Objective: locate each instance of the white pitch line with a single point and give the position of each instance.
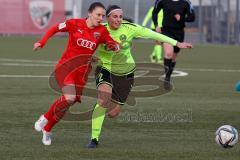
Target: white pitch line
(44, 63)
(208, 70)
(26, 64)
(26, 60)
(23, 76)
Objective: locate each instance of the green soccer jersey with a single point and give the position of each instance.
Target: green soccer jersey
(122, 63)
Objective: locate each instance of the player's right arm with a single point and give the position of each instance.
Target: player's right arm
(62, 27)
(157, 7)
(142, 32)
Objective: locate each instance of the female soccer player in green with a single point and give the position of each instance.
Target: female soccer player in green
(115, 73)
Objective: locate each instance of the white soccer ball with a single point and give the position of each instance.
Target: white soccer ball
(226, 136)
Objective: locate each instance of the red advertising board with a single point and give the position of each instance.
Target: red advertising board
(30, 16)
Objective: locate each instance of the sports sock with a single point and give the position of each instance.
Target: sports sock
(56, 112)
(173, 66)
(158, 51)
(98, 116)
(168, 68)
(50, 124)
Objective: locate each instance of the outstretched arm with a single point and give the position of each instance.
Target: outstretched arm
(43, 41)
(146, 33)
(62, 27)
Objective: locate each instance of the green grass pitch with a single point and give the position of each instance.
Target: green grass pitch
(182, 125)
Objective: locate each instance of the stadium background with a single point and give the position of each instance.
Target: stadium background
(178, 125)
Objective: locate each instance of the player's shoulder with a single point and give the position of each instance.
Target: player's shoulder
(101, 28)
(187, 2)
(129, 24)
(130, 28)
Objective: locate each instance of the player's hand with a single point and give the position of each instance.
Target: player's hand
(184, 45)
(177, 17)
(113, 46)
(158, 29)
(36, 46)
(95, 59)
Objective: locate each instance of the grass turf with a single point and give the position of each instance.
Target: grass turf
(181, 124)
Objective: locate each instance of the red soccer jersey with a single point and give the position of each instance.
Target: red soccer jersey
(82, 40)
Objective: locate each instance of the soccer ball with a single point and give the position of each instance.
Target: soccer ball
(237, 86)
(226, 136)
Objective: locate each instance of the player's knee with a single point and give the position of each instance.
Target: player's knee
(114, 112)
(168, 54)
(71, 99)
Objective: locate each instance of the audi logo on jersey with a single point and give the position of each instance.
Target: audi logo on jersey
(86, 44)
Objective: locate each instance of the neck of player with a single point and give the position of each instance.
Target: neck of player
(89, 23)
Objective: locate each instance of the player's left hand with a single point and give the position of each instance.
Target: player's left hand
(184, 45)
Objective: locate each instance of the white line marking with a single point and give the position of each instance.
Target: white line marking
(208, 70)
(179, 74)
(44, 63)
(26, 65)
(26, 60)
(23, 76)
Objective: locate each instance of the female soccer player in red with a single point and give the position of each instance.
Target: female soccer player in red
(84, 37)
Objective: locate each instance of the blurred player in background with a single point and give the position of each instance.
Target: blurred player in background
(115, 73)
(84, 37)
(175, 14)
(156, 56)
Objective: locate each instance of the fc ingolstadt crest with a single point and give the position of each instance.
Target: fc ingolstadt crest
(41, 12)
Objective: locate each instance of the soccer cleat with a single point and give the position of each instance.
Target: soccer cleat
(40, 123)
(46, 139)
(93, 143)
(167, 84)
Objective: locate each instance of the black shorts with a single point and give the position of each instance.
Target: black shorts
(175, 34)
(121, 85)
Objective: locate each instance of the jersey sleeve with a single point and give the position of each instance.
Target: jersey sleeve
(108, 40)
(190, 16)
(61, 27)
(157, 7)
(142, 32)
